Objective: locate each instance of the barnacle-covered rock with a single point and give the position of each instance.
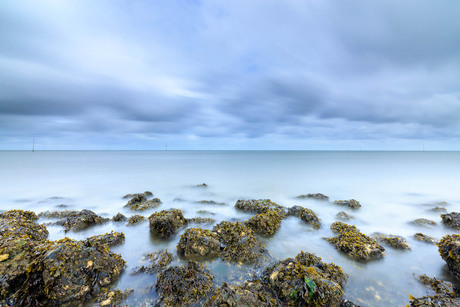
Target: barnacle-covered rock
(252, 294)
(186, 285)
(119, 217)
(165, 223)
(306, 215)
(197, 242)
(451, 220)
(141, 202)
(113, 297)
(354, 243)
(344, 216)
(158, 261)
(394, 241)
(423, 222)
(240, 244)
(135, 219)
(266, 223)
(351, 203)
(109, 239)
(81, 220)
(449, 248)
(424, 238)
(260, 206)
(146, 194)
(317, 196)
(201, 220)
(445, 293)
(57, 214)
(305, 281)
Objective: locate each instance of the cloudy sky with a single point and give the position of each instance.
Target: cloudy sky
(214, 74)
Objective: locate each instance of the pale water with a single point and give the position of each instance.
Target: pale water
(394, 188)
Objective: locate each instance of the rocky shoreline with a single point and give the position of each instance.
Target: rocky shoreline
(35, 271)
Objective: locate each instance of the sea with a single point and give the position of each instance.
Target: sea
(394, 188)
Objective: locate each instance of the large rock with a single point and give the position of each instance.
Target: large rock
(266, 223)
(82, 220)
(449, 248)
(306, 215)
(260, 206)
(201, 243)
(165, 223)
(451, 220)
(351, 203)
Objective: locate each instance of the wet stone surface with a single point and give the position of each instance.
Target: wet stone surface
(141, 202)
(451, 220)
(266, 223)
(306, 215)
(344, 216)
(260, 206)
(449, 249)
(445, 293)
(394, 241)
(423, 222)
(82, 220)
(317, 196)
(351, 203)
(424, 238)
(165, 223)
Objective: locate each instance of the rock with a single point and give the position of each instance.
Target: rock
(347, 303)
(266, 223)
(423, 222)
(119, 217)
(354, 243)
(306, 215)
(201, 220)
(317, 196)
(166, 222)
(146, 194)
(438, 209)
(451, 220)
(253, 293)
(449, 248)
(445, 293)
(57, 214)
(211, 202)
(305, 281)
(205, 212)
(344, 216)
(424, 238)
(352, 203)
(135, 219)
(260, 206)
(140, 202)
(81, 220)
(394, 241)
(109, 239)
(201, 243)
(158, 261)
(203, 185)
(113, 297)
(184, 285)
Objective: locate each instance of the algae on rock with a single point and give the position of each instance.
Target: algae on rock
(165, 223)
(266, 223)
(306, 215)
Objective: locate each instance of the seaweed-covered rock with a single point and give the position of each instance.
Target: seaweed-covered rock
(19, 215)
(197, 242)
(57, 214)
(210, 202)
(317, 196)
(158, 261)
(449, 248)
(445, 293)
(260, 206)
(135, 219)
(306, 215)
(423, 222)
(165, 223)
(205, 212)
(146, 195)
(113, 297)
(266, 223)
(252, 294)
(184, 285)
(451, 220)
(344, 216)
(424, 238)
(351, 203)
(240, 244)
(438, 209)
(119, 217)
(141, 202)
(305, 281)
(394, 241)
(81, 220)
(109, 239)
(201, 220)
(354, 243)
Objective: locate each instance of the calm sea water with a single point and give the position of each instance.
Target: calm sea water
(394, 188)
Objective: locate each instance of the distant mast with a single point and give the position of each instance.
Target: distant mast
(33, 145)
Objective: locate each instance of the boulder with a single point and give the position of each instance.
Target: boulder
(56, 214)
(260, 206)
(165, 223)
(141, 202)
(445, 294)
(201, 243)
(266, 223)
(135, 219)
(119, 217)
(394, 241)
(451, 220)
(449, 248)
(146, 195)
(201, 220)
(306, 215)
(423, 222)
(82, 220)
(109, 239)
(344, 216)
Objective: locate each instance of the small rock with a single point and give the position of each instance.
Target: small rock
(424, 238)
(317, 196)
(352, 203)
(451, 220)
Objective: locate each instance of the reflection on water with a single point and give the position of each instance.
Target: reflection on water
(394, 188)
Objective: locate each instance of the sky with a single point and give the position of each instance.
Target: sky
(230, 75)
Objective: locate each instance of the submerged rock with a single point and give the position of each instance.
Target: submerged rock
(81, 220)
(205, 212)
(306, 215)
(352, 203)
(197, 242)
(445, 294)
(113, 297)
(344, 216)
(146, 195)
(354, 243)
(109, 239)
(203, 185)
(135, 219)
(451, 220)
(210, 202)
(317, 196)
(57, 214)
(266, 223)
(158, 261)
(260, 206)
(141, 202)
(186, 285)
(201, 220)
(449, 248)
(424, 238)
(166, 222)
(253, 293)
(394, 241)
(438, 209)
(423, 222)
(119, 217)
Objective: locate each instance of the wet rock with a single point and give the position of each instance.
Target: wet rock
(201, 243)
(305, 281)
(201, 220)
(394, 241)
(57, 214)
(423, 222)
(354, 243)
(306, 215)
(81, 220)
(438, 209)
(347, 303)
(211, 202)
(205, 212)
(352, 203)
(260, 206)
(344, 216)
(317, 196)
(141, 202)
(19, 215)
(266, 223)
(135, 219)
(146, 195)
(119, 217)
(109, 239)
(252, 293)
(449, 248)
(113, 297)
(184, 285)
(240, 244)
(424, 238)
(451, 220)
(166, 222)
(158, 261)
(445, 293)
(62, 206)
(203, 185)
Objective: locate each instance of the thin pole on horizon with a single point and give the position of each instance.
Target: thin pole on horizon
(33, 145)
(166, 147)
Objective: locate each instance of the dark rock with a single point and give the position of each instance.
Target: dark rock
(260, 206)
(347, 303)
(354, 243)
(394, 241)
(166, 222)
(449, 248)
(146, 195)
(109, 239)
(203, 185)
(140, 202)
(306, 215)
(352, 203)
(57, 214)
(252, 294)
(266, 223)
(81, 220)
(317, 196)
(424, 238)
(119, 217)
(201, 220)
(201, 243)
(445, 293)
(438, 209)
(158, 261)
(344, 216)
(451, 220)
(423, 222)
(184, 285)
(135, 219)
(113, 297)
(211, 202)
(205, 212)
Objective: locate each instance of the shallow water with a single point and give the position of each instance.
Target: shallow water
(394, 188)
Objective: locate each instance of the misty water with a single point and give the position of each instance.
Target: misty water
(394, 188)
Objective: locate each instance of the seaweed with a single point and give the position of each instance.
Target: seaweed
(197, 242)
(394, 241)
(317, 196)
(449, 249)
(344, 216)
(351, 203)
(158, 261)
(424, 238)
(260, 206)
(135, 219)
(165, 223)
(451, 220)
(266, 223)
(81, 220)
(306, 215)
